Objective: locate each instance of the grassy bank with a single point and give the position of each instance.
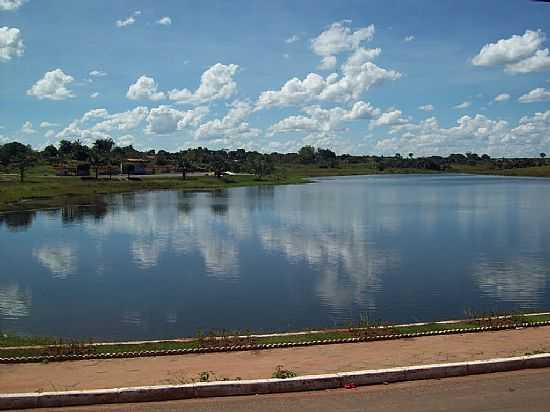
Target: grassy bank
(41, 191)
(50, 191)
(538, 171)
(51, 346)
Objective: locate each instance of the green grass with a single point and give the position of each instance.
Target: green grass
(24, 342)
(15, 340)
(344, 170)
(40, 191)
(536, 171)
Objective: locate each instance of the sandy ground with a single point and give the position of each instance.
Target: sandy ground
(112, 373)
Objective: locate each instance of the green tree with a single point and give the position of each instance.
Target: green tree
(307, 154)
(50, 152)
(11, 152)
(219, 166)
(104, 148)
(65, 148)
(262, 167)
(23, 162)
(183, 164)
(95, 159)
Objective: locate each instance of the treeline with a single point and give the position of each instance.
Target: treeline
(104, 152)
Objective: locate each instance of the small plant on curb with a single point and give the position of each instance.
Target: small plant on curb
(281, 373)
(205, 376)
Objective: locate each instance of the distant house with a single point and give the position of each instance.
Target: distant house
(147, 166)
(133, 166)
(73, 169)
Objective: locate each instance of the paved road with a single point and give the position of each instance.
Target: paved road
(505, 392)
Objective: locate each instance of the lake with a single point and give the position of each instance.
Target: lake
(164, 264)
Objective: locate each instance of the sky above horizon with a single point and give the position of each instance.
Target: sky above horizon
(359, 77)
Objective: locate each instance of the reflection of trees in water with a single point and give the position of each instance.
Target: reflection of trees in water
(17, 222)
(258, 197)
(219, 202)
(186, 202)
(78, 213)
(128, 201)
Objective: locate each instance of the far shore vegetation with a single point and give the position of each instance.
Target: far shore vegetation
(75, 173)
(16, 345)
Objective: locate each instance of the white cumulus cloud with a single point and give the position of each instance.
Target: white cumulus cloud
(216, 83)
(11, 43)
(338, 38)
(358, 75)
(46, 125)
(232, 125)
(164, 21)
(129, 20)
(390, 118)
(165, 119)
(292, 39)
(502, 97)
(537, 95)
(463, 105)
(97, 73)
(539, 62)
(519, 54)
(409, 39)
(11, 5)
(126, 22)
(324, 121)
(27, 128)
(123, 121)
(427, 108)
(145, 88)
(509, 50)
(53, 86)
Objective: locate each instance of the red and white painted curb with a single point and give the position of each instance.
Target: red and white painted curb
(266, 386)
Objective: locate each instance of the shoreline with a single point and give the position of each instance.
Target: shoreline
(54, 192)
(51, 192)
(15, 349)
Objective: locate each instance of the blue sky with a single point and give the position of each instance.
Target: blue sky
(375, 77)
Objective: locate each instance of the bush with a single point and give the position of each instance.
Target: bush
(281, 373)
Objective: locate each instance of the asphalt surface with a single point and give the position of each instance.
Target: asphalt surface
(514, 391)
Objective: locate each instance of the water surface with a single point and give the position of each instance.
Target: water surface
(168, 263)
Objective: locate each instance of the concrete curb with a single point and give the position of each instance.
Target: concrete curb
(260, 346)
(265, 386)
